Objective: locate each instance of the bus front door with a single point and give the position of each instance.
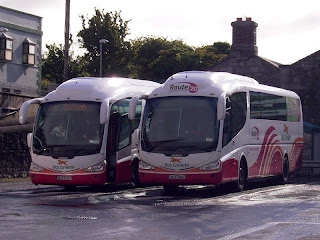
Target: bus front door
(119, 149)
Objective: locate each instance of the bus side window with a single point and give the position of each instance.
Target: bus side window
(236, 112)
(125, 132)
(227, 124)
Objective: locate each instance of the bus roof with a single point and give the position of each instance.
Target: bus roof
(198, 83)
(98, 89)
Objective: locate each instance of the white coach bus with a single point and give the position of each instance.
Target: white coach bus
(82, 134)
(214, 128)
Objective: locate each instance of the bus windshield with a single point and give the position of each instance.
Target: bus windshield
(180, 125)
(68, 129)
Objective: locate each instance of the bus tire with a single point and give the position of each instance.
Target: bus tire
(135, 173)
(284, 177)
(170, 188)
(240, 184)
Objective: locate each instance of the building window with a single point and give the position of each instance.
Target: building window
(6, 90)
(5, 47)
(29, 52)
(17, 91)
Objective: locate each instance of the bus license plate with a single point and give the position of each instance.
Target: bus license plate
(177, 177)
(64, 178)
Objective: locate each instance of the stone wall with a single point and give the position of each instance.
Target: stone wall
(262, 70)
(14, 154)
(304, 79)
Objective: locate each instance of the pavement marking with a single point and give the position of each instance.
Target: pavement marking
(261, 227)
(248, 231)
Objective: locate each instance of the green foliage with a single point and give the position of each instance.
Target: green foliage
(116, 52)
(157, 58)
(53, 65)
(221, 48)
(209, 55)
(45, 84)
(176, 58)
(153, 58)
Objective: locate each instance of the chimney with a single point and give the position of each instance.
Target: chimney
(244, 38)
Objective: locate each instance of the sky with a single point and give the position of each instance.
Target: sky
(288, 30)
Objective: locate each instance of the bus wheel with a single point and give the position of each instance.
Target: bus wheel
(170, 189)
(242, 178)
(284, 177)
(135, 173)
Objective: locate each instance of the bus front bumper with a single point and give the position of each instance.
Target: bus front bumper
(228, 172)
(69, 179)
(181, 178)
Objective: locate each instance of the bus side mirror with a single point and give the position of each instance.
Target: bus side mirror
(221, 107)
(104, 111)
(135, 138)
(133, 106)
(29, 140)
(24, 109)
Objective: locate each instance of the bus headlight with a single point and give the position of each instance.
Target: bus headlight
(95, 168)
(35, 167)
(146, 166)
(211, 166)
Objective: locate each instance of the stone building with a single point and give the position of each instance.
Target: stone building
(20, 75)
(20, 56)
(302, 77)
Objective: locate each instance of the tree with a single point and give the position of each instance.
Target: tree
(117, 51)
(157, 58)
(53, 64)
(221, 48)
(209, 55)
(176, 58)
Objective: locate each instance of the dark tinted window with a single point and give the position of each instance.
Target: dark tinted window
(181, 124)
(236, 113)
(273, 107)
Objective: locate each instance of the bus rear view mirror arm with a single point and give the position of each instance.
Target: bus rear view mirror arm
(24, 109)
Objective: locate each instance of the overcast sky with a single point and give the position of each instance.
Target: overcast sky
(288, 30)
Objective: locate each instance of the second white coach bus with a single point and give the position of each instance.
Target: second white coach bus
(214, 128)
(82, 134)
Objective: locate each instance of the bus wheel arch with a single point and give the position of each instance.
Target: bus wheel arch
(135, 172)
(241, 183)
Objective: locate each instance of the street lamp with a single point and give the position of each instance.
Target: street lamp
(101, 41)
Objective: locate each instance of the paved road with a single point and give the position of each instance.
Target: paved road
(263, 211)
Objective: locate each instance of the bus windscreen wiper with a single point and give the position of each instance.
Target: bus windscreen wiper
(158, 143)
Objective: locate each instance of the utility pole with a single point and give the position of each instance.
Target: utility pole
(66, 42)
(101, 41)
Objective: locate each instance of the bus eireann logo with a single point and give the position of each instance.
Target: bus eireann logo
(62, 162)
(176, 160)
(285, 128)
